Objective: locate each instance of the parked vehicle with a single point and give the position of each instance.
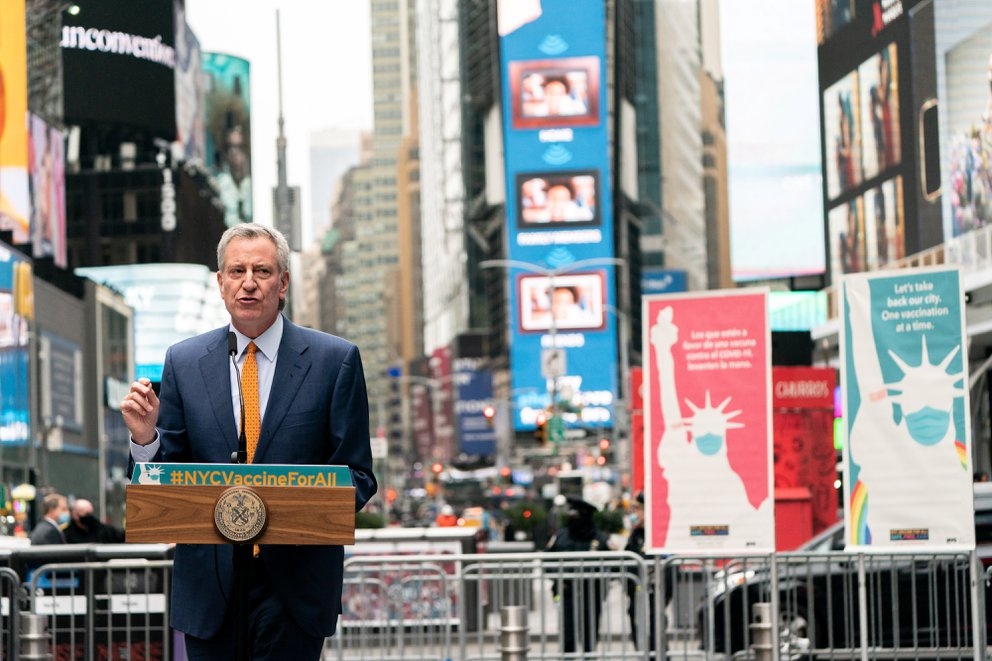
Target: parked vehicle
(913, 601)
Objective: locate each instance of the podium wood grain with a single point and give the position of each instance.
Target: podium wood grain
(165, 514)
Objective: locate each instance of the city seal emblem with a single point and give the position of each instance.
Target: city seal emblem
(239, 515)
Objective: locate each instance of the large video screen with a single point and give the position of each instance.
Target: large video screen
(560, 260)
(118, 64)
(968, 112)
(878, 77)
(228, 132)
(567, 302)
(557, 197)
(549, 93)
(16, 311)
(841, 116)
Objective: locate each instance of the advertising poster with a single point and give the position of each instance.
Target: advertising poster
(190, 92)
(966, 107)
(15, 207)
(16, 309)
(47, 164)
(474, 391)
(560, 260)
(907, 472)
(708, 432)
(228, 133)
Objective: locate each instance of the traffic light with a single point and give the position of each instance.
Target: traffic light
(489, 412)
(604, 452)
(541, 429)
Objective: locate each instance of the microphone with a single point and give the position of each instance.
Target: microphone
(241, 456)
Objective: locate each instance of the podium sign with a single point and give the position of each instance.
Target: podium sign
(241, 503)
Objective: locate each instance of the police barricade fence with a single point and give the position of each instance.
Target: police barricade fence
(87, 603)
(796, 605)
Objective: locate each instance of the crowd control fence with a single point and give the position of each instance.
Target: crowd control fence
(112, 603)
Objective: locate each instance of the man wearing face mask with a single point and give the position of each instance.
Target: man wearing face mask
(85, 528)
(55, 509)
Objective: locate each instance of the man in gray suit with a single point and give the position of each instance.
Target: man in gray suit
(56, 514)
(314, 410)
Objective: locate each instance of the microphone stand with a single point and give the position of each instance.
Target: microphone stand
(242, 558)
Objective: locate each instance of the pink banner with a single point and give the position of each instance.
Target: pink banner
(708, 427)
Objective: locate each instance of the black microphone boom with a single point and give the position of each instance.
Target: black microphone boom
(241, 456)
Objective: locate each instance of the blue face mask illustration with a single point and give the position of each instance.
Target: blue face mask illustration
(928, 425)
(708, 444)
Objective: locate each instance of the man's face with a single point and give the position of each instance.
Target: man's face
(63, 508)
(251, 284)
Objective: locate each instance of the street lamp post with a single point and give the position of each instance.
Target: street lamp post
(551, 274)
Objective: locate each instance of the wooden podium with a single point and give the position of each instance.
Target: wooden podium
(177, 503)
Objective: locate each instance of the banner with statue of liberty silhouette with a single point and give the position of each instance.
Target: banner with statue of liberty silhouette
(708, 433)
(904, 375)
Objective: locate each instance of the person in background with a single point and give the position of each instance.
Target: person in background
(581, 598)
(85, 528)
(55, 510)
(447, 518)
(636, 542)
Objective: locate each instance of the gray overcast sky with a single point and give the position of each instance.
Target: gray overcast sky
(326, 76)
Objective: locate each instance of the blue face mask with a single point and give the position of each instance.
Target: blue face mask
(708, 444)
(63, 518)
(928, 425)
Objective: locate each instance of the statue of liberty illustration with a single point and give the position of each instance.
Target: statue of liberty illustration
(150, 474)
(902, 435)
(703, 490)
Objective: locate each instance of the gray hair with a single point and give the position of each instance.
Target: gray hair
(255, 231)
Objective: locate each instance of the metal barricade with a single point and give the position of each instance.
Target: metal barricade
(824, 605)
(116, 609)
(11, 595)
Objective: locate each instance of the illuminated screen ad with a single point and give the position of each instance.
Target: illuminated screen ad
(15, 206)
(560, 261)
(567, 302)
(968, 113)
(171, 302)
(119, 63)
(841, 116)
(228, 133)
(557, 92)
(878, 78)
(557, 197)
(47, 164)
(16, 309)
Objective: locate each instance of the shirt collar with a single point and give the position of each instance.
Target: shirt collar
(267, 343)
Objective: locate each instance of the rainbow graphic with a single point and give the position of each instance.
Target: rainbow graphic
(962, 453)
(859, 515)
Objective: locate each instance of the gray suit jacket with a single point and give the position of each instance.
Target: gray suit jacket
(317, 413)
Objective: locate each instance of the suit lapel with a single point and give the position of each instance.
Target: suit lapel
(291, 368)
(215, 368)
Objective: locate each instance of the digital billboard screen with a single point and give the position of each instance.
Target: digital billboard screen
(966, 48)
(558, 92)
(557, 197)
(228, 133)
(15, 205)
(16, 309)
(561, 263)
(118, 62)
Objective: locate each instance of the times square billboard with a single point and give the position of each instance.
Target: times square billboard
(118, 63)
(907, 134)
(559, 229)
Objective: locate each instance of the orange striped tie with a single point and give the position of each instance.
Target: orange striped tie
(249, 386)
